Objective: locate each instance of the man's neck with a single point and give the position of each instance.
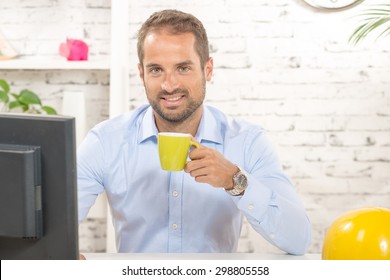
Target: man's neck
(190, 125)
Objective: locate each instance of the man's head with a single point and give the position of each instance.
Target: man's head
(175, 22)
(174, 67)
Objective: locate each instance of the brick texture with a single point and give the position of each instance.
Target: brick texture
(290, 69)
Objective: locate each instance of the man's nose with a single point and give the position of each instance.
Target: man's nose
(170, 83)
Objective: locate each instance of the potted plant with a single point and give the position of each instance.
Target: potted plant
(376, 18)
(26, 101)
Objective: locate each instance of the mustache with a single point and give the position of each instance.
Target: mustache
(175, 91)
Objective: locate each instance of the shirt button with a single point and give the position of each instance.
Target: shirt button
(174, 226)
(175, 193)
(250, 207)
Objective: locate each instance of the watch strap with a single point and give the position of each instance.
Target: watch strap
(240, 183)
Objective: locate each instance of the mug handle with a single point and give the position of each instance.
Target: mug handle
(194, 144)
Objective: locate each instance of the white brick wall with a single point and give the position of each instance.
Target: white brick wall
(325, 103)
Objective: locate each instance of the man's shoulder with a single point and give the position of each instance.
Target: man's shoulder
(121, 123)
(235, 124)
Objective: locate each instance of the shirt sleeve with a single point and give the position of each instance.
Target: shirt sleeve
(270, 202)
(90, 166)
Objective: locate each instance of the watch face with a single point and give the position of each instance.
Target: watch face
(332, 4)
(241, 181)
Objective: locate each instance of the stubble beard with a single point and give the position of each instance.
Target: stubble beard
(177, 117)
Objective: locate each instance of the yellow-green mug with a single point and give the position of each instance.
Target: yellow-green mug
(173, 150)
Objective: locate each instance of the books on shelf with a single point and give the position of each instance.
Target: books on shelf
(6, 50)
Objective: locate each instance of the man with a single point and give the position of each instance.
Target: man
(234, 173)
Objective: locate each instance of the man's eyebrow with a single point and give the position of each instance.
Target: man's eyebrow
(149, 65)
(186, 62)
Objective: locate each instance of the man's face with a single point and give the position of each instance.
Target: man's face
(174, 80)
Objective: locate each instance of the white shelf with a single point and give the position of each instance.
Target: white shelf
(55, 62)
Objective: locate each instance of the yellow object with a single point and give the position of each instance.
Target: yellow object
(173, 150)
(362, 234)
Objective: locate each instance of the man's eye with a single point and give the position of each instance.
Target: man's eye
(184, 69)
(155, 70)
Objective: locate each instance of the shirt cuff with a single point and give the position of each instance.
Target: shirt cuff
(256, 199)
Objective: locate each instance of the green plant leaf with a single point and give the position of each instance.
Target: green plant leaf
(4, 96)
(28, 97)
(16, 104)
(26, 100)
(373, 19)
(5, 86)
(49, 110)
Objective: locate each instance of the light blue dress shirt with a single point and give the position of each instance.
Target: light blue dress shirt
(159, 211)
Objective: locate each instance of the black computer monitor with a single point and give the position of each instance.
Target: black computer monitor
(38, 194)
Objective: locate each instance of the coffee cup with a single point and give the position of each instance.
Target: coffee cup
(173, 149)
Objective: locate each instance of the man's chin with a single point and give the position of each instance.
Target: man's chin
(174, 114)
(173, 117)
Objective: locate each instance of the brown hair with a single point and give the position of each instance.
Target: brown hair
(175, 22)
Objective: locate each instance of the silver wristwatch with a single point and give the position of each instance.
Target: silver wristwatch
(240, 183)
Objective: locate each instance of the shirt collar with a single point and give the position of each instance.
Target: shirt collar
(147, 126)
(209, 129)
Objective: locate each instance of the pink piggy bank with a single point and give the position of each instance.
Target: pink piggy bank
(74, 50)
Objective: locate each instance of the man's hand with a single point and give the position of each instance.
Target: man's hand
(209, 166)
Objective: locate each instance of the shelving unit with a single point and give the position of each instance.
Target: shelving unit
(54, 63)
(117, 64)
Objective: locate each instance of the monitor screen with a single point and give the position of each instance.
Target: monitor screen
(38, 195)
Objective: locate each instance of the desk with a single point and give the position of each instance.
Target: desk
(209, 266)
(198, 256)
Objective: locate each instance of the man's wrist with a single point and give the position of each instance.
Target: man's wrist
(230, 182)
(240, 183)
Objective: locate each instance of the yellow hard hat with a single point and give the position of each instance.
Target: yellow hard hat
(362, 234)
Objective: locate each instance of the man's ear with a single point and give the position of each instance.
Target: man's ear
(208, 69)
(140, 71)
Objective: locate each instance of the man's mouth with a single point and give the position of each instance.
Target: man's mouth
(172, 98)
